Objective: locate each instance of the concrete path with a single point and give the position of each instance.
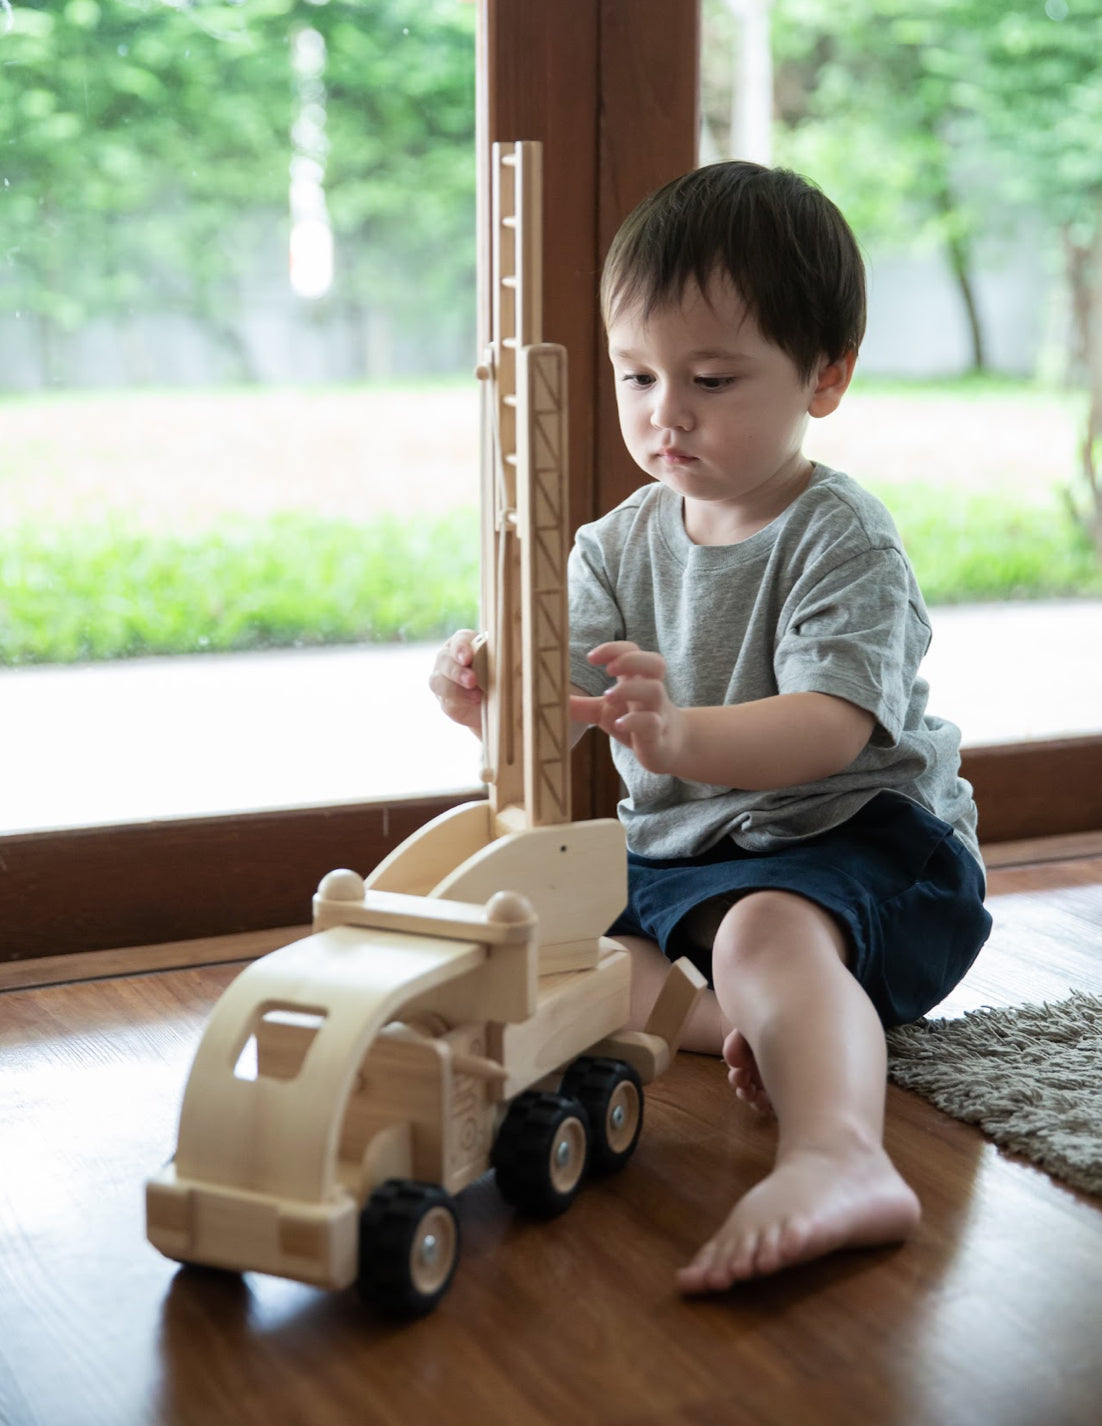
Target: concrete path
(163, 738)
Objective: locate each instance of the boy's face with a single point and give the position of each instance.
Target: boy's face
(712, 409)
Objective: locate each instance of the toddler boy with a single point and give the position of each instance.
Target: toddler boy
(747, 630)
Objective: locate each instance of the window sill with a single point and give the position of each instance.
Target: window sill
(207, 797)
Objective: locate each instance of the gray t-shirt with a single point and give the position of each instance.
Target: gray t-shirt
(822, 600)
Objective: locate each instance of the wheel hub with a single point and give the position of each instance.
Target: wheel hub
(433, 1252)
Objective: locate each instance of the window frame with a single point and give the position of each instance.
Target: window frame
(611, 88)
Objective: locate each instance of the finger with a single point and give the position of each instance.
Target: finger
(639, 723)
(453, 694)
(461, 646)
(448, 680)
(615, 648)
(647, 693)
(637, 662)
(451, 669)
(642, 732)
(584, 709)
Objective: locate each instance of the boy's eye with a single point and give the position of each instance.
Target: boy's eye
(714, 383)
(637, 379)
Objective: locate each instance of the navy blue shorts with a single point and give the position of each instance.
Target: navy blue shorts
(905, 890)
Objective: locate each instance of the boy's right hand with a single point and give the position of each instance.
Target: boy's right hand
(455, 682)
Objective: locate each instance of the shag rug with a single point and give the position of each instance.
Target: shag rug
(1029, 1077)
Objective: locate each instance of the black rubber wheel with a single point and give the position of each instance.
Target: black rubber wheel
(409, 1246)
(611, 1093)
(541, 1152)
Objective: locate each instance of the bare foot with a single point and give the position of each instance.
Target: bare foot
(814, 1202)
(742, 1071)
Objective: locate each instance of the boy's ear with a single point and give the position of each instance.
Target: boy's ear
(831, 382)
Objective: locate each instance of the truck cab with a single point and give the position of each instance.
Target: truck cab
(348, 1086)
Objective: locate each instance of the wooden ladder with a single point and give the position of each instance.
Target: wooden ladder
(524, 662)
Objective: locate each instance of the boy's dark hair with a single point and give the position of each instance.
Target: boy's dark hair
(789, 252)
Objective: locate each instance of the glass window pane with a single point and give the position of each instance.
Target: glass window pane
(238, 479)
(964, 152)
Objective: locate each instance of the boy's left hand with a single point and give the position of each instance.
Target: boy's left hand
(636, 710)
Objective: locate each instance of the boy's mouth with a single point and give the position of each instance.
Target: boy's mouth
(673, 456)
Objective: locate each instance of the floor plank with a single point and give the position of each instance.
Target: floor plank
(133, 960)
(1046, 940)
(988, 1316)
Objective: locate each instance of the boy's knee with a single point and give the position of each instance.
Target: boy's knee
(764, 924)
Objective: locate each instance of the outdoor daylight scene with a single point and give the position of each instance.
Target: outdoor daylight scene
(238, 416)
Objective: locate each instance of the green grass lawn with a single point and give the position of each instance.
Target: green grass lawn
(111, 591)
(177, 522)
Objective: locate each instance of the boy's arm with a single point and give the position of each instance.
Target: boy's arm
(774, 742)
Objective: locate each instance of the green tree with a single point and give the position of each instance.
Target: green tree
(1037, 90)
(931, 120)
(401, 169)
(868, 101)
(125, 147)
(142, 141)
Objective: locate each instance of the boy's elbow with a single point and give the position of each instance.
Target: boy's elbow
(847, 729)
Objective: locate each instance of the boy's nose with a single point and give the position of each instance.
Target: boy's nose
(670, 412)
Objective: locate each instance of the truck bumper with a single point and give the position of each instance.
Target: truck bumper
(243, 1231)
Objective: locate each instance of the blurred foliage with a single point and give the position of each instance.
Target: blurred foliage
(975, 545)
(920, 119)
(108, 590)
(144, 142)
(943, 122)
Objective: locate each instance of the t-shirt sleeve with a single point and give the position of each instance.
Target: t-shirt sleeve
(595, 615)
(856, 633)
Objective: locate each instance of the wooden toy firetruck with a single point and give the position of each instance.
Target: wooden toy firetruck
(459, 1009)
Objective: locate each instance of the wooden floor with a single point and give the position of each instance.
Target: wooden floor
(989, 1318)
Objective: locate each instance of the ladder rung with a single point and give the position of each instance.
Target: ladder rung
(509, 401)
(509, 282)
(509, 160)
(510, 460)
(508, 222)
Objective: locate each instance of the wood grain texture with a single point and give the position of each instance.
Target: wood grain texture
(101, 887)
(1036, 789)
(1047, 937)
(539, 78)
(134, 960)
(989, 1315)
(1043, 849)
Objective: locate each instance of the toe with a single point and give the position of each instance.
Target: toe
(742, 1258)
(721, 1273)
(694, 1276)
(796, 1234)
(771, 1256)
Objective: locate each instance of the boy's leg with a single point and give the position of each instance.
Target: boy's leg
(706, 1030)
(779, 964)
